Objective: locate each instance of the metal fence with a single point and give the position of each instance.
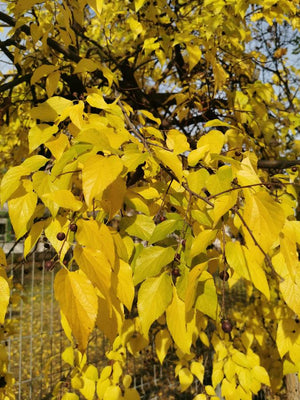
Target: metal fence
(35, 340)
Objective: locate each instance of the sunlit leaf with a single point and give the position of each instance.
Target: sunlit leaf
(78, 302)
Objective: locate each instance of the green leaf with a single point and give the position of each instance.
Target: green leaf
(79, 303)
(150, 262)
(154, 296)
(140, 226)
(164, 229)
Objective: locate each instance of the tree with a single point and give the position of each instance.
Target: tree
(154, 143)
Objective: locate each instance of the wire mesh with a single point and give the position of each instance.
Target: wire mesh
(36, 345)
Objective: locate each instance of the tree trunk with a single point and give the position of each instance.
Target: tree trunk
(292, 387)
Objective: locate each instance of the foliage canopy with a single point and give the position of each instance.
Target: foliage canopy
(154, 144)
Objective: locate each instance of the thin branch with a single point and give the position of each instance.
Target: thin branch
(267, 257)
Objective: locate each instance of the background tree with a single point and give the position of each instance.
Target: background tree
(154, 143)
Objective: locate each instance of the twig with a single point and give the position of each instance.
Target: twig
(133, 128)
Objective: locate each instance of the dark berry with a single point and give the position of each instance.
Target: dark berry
(177, 257)
(183, 242)
(65, 262)
(73, 227)
(162, 218)
(60, 236)
(226, 326)
(173, 209)
(294, 169)
(224, 275)
(49, 265)
(268, 186)
(2, 381)
(46, 245)
(237, 153)
(175, 272)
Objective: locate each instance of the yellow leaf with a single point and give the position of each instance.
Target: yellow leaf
(217, 376)
(260, 374)
(193, 277)
(290, 289)
(66, 327)
(170, 160)
(112, 393)
(140, 226)
(236, 259)
(210, 143)
(255, 263)
(64, 198)
(86, 65)
(21, 208)
(11, 181)
(3, 262)
(177, 142)
(97, 174)
(125, 287)
(154, 296)
(150, 262)
(113, 197)
(50, 109)
(96, 236)
(197, 369)
(194, 55)
(58, 145)
(197, 180)
(4, 298)
(206, 295)
(163, 342)
(264, 217)
(79, 303)
(40, 134)
(96, 267)
(131, 394)
(176, 321)
(70, 396)
(201, 242)
(139, 4)
(110, 317)
(247, 175)
(185, 378)
(33, 236)
(96, 5)
(40, 72)
(52, 83)
(222, 204)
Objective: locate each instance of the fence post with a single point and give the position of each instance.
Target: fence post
(292, 387)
